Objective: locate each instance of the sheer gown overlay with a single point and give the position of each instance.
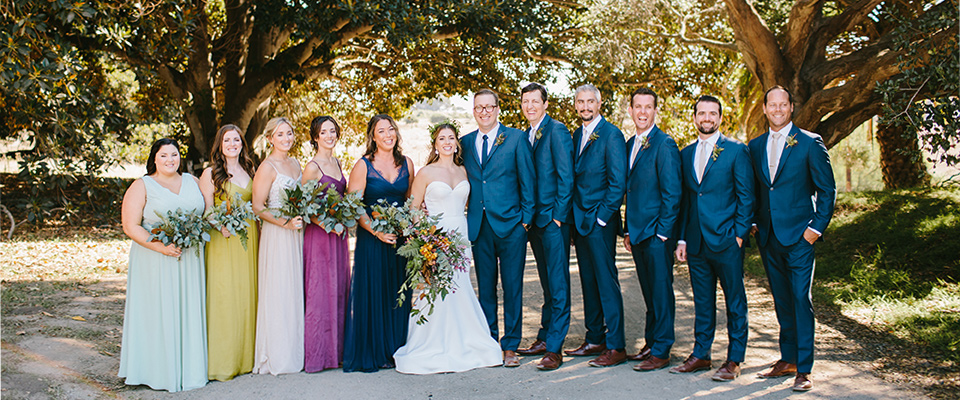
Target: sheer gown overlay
(456, 337)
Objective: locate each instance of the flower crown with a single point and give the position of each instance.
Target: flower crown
(433, 129)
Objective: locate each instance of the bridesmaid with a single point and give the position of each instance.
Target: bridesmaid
(326, 260)
(164, 342)
(231, 265)
(376, 326)
(279, 347)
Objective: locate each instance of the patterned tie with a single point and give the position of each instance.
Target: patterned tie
(774, 159)
(483, 151)
(701, 159)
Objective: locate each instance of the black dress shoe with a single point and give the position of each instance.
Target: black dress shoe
(538, 347)
(587, 349)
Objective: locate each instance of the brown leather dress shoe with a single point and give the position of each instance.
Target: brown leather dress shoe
(586, 349)
(510, 359)
(692, 364)
(550, 362)
(652, 363)
(780, 368)
(802, 383)
(728, 371)
(642, 355)
(538, 347)
(609, 358)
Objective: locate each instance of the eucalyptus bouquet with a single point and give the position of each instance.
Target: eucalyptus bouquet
(184, 229)
(299, 201)
(391, 218)
(339, 211)
(233, 214)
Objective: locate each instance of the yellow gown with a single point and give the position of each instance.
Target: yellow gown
(231, 298)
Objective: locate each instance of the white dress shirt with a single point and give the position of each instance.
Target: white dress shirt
(636, 145)
(491, 139)
(532, 133)
(587, 131)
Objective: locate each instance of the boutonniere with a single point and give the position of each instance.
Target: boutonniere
(593, 136)
(716, 152)
(791, 140)
(645, 143)
(500, 138)
(539, 134)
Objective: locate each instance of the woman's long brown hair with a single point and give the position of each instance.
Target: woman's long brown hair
(218, 163)
(372, 144)
(434, 157)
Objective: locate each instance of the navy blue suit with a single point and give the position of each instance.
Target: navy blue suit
(501, 200)
(802, 195)
(652, 207)
(714, 213)
(553, 159)
(599, 174)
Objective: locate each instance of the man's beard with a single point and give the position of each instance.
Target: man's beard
(707, 131)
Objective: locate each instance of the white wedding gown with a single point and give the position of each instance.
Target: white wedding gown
(455, 337)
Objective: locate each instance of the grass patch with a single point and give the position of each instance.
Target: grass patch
(890, 260)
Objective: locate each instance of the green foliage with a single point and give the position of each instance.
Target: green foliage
(924, 99)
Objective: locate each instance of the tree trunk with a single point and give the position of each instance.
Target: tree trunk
(900, 159)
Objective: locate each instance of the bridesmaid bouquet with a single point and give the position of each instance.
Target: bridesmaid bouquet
(339, 211)
(233, 214)
(184, 229)
(433, 256)
(391, 218)
(299, 201)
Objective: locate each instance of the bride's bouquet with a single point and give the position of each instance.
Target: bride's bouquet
(233, 214)
(184, 229)
(299, 201)
(339, 212)
(433, 256)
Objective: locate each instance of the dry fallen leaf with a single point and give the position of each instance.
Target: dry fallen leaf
(77, 318)
(47, 314)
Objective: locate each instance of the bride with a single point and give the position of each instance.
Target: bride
(456, 337)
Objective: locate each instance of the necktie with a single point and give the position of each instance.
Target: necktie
(774, 155)
(533, 136)
(583, 141)
(701, 160)
(483, 151)
(636, 149)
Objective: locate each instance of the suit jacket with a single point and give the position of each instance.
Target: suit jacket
(599, 175)
(503, 187)
(653, 188)
(720, 208)
(801, 195)
(553, 160)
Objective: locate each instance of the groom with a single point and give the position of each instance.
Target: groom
(500, 169)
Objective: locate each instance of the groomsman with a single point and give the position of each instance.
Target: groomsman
(599, 173)
(716, 215)
(795, 203)
(652, 205)
(500, 169)
(550, 232)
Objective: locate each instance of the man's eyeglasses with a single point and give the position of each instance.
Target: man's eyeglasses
(480, 109)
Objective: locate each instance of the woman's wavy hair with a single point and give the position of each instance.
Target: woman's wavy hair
(372, 144)
(218, 162)
(155, 148)
(315, 129)
(434, 157)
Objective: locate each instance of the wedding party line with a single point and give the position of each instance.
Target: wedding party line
(247, 269)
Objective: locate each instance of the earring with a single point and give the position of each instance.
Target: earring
(436, 152)
(455, 150)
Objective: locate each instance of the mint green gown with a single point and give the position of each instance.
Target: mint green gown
(164, 343)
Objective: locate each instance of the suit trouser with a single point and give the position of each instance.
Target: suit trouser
(551, 249)
(654, 260)
(706, 268)
(511, 251)
(602, 300)
(790, 272)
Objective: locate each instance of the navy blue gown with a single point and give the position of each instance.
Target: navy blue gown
(376, 327)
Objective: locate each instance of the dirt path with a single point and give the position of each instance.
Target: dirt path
(38, 366)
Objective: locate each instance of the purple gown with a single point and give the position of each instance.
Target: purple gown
(326, 285)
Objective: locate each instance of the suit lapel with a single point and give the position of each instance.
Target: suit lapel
(577, 135)
(471, 144)
(652, 139)
(786, 152)
(595, 132)
(496, 145)
(764, 160)
(710, 158)
(542, 129)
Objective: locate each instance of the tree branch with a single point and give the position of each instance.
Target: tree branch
(803, 17)
(758, 47)
(698, 40)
